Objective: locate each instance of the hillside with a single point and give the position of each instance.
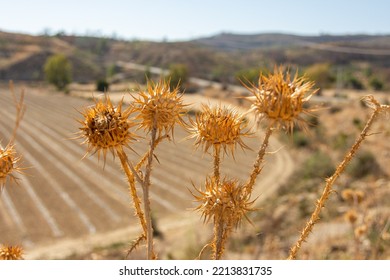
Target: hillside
(223, 58)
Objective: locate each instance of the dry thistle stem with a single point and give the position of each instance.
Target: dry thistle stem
(226, 203)
(106, 127)
(8, 164)
(280, 101)
(158, 109)
(11, 252)
(315, 217)
(159, 106)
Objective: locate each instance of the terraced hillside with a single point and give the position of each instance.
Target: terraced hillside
(63, 197)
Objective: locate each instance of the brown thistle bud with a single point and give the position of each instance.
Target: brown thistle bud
(219, 127)
(281, 99)
(159, 107)
(106, 127)
(11, 252)
(227, 201)
(8, 164)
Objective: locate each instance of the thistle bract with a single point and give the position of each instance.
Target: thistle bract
(219, 127)
(106, 127)
(8, 164)
(159, 107)
(281, 99)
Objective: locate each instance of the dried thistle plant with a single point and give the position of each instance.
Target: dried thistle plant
(226, 203)
(329, 182)
(280, 100)
(9, 165)
(9, 159)
(107, 128)
(158, 109)
(11, 252)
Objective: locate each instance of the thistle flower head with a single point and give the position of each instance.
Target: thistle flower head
(11, 252)
(219, 127)
(8, 164)
(106, 127)
(226, 200)
(159, 107)
(281, 99)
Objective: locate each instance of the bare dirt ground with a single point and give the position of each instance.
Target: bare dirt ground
(65, 205)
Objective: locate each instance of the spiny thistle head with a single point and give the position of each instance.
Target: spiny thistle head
(219, 127)
(11, 252)
(159, 107)
(106, 127)
(8, 164)
(281, 99)
(227, 200)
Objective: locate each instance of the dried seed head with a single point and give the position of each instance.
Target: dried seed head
(226, 200)
(280, 99)
(353, 196)
(219, 127)
(360, 231)
(159, 107)
(8, 164)
(351, 216)
(11, 252)
(106, 127)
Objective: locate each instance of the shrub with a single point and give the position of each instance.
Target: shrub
(363, 165)
(376, 84)
(102, 85)
(58, 71)
(322, 74)
(318, 165)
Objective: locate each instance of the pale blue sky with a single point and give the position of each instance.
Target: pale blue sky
(186, 19)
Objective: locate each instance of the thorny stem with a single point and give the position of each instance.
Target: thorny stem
(146, 155)
(328, 186)
(217, 162)
(218, 236)
(259, 160)
(133, 191)
(145, 187)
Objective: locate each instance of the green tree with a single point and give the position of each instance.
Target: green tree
(58, 71)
